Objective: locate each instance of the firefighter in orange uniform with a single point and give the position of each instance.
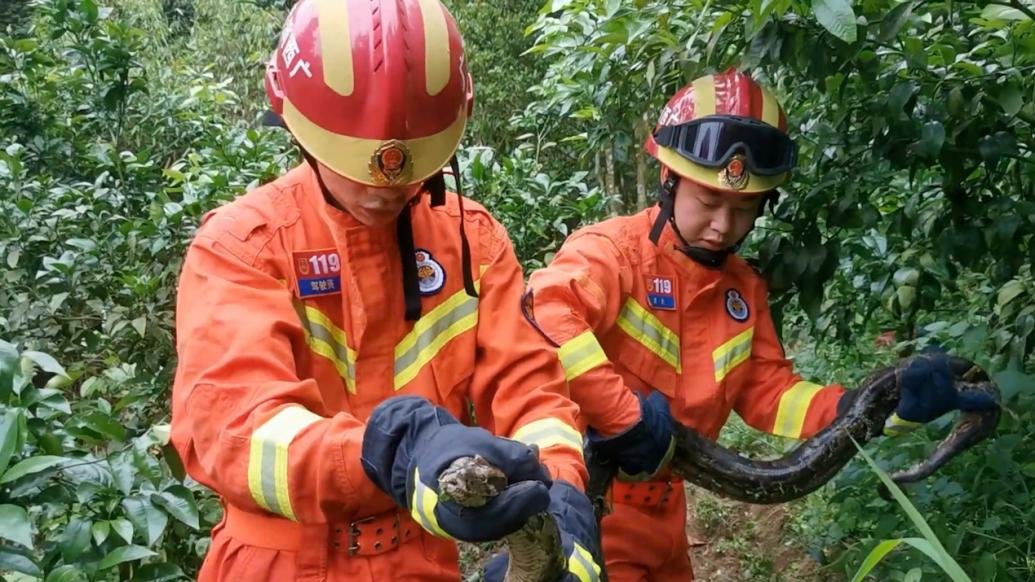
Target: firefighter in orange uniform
(335, 325)
(657, 318)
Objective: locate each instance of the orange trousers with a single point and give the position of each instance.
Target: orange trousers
(644, 536)
(391, 546)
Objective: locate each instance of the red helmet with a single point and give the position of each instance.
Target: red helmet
(376, 90)
(725, 132)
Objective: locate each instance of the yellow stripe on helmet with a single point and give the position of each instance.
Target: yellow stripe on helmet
(436, 46)
(336, 48)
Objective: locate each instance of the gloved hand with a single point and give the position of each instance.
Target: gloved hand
(408, 443)
(577, 523)
(646, 447)
(926, 392)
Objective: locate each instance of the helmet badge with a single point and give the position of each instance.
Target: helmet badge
(734, 175)
(390, 163)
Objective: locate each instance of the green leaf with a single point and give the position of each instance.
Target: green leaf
(906, 296)
(125, 554)
(10, 433)
(837, 17)
(46, 362)
(874, 557)
(105, 425)
(932, 546)
(172, 460)
(906, 276)
(146, 517)
(12, 559)
(124, 528)
(179, 502)
(9, 365)
(932, 137)
(30, 466)
(1010, 98)
(1013, 382)
(100, 531)
(140, 325)
(895, 19)
(15, 525)
(1008, 292)
(67, 573)
(999, 12)
(75, 540)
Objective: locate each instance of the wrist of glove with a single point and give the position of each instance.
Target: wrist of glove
(646, 447)
(926, 391)
(408, 443)
(577, 523)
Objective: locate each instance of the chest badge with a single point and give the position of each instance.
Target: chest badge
(736, 306)
(661, 293)
(431, 277)
(317, 272)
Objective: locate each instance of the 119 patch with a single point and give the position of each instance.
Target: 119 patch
(317, 272)
(661, 293)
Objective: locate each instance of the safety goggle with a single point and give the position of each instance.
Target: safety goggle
(712, 141)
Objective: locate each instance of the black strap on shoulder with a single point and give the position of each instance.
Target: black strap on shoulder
(408, 263)
(465, 247)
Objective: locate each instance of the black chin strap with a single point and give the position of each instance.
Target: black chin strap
(667, 202)
(436, 186)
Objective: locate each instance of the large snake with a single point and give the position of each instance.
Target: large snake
(535, 552)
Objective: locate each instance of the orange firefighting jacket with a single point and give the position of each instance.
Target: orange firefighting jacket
(291, 329)
(628, 314)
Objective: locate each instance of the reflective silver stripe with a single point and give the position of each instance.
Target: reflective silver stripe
(423, 506)
(582, 566)
(268, 463)
(733, 353)
(650, 332)
(794, 405)
(328, 340)
(581, 354)
(458, 314)
(549, 432)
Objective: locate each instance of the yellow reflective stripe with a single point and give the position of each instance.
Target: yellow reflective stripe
(704, 96)
(268, 458)
(794, 403)
(336, 49)
(582, 565)
(549, 432)
(453, 317)
(770, 109)
(895, 425)
(436, 47)
(648, 330)
(581, 354)
(422, 507)
(328, 340)
(732, 353)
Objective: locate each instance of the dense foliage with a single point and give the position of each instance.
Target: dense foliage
(911, 220)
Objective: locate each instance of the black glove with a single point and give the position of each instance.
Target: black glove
(409, 442)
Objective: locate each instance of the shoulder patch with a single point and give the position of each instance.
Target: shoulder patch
(736, 306)
(431, 277)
